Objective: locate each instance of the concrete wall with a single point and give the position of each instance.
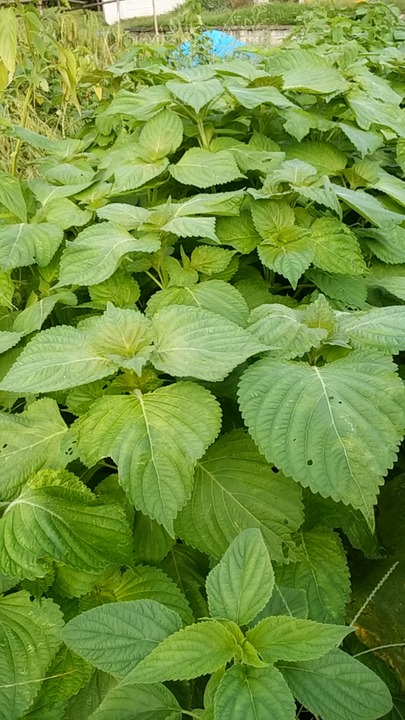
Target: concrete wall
(125, 9)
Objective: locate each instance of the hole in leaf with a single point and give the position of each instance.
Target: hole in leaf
(310, 462)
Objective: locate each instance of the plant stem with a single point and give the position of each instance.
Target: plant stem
(201, 131)
(23, 121)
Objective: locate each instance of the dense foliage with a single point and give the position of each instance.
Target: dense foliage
(201, 297)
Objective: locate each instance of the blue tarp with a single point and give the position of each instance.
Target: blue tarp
(222, 45)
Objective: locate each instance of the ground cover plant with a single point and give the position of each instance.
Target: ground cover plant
(202, 319)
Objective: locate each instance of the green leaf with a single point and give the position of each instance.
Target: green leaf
(143, 582)
(368, 206)
(7, 289)
(289, 638)
(352, 291)
(192, 227)
(245, 693)
(223, 204)
(135, 173)
(319, 425)
(51, 518)
(161, 136)
(24, 244)
(64, 213)
(34, 439)
(238, 232)
(210, 260)
(286, 601)
(151, 541)
(8, 38)
(120, 289)
(57, 359)
(115, 637)
(96, 254)
(324, 156)
(34, 315)
(284, 331)
(235, 489)
(192, 342)
(378, 329)
(241, 584)
(138, 702)
(251, 98)
(29, 636)
(321, 684)
(368, 111)
(336, 249)
(215, 295)
(197, 649)
(272, 218)
(204, 169)
(291, 260)
(197, 93)
(366, 142)
(321, 570)
(155, 439)
(65, 676)
(11, 197)
(128, 216)
(8, 339)
(317, 79)
(388, 244)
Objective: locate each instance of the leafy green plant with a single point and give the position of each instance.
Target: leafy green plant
(201, 301)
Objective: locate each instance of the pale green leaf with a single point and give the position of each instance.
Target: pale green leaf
(290, 260)
(34, 315)
(24, 244)
(138, 702)
(378, 329)
(245, 693)
(236, 489)
(286, 601)
(367, 206)
(197, 93)
(196, 650)
(192, 227)
(321, 571)
(120, 289)
(143, 582)
(338, 687)
(29, 636)
(388, 277)
(155, 439)
(352, 291)
(57, 516)
(324, 156)
(318, 79)
(272, 218)
(241, 584)
(11, 196)
(284, 331)
(115, 637)
(239, 232)
(336, 249)
(368, 111)
(8, 339)
(388, 243)
(366, 142)
(134, 174)
(204, 169)
(334, 429)
(251, 98)
(96, 253)
(7, 289)
(161, 135)
(215, 295)
(289, 638)
(64, 213)
(192, 342)
(223, 204)
(210, 260)
(45, 191)
(8, 38)
(57, 359)
(129, 216)
(34, 439)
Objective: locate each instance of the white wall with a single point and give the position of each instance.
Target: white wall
(136, 8)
